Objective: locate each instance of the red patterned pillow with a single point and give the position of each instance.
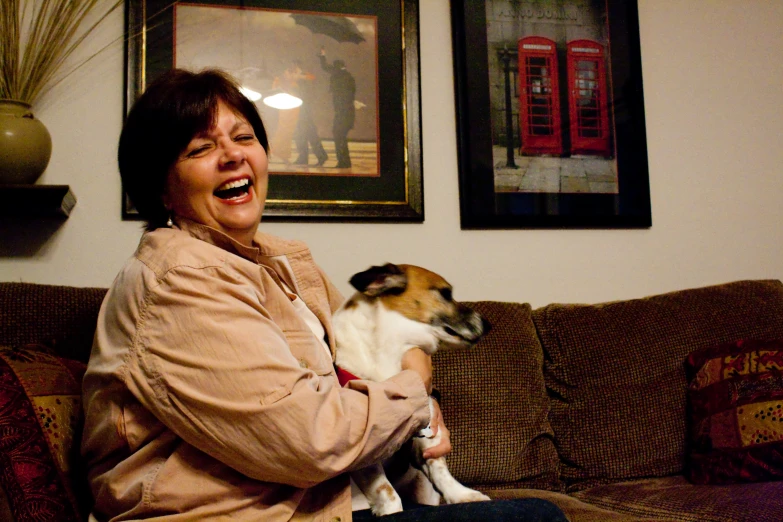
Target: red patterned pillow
(735, 405)
(40, 420)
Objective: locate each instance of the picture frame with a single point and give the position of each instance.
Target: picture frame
(384, 180)
(538, 146)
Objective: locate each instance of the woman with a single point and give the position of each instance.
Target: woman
(210, 392)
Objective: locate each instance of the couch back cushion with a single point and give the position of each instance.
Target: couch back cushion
(495, 403)
(62, 317)
(615, 373)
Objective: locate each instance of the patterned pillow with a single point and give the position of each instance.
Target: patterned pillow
(735, 400)
(40, 420)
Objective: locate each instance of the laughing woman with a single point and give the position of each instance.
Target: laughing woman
(210, 393)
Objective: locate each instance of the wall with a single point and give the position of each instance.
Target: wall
(714, 105)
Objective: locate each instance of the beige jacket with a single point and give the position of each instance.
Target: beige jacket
(207, 397)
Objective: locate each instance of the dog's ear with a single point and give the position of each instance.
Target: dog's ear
(378, 280)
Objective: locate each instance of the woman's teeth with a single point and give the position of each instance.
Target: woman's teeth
(233, 189)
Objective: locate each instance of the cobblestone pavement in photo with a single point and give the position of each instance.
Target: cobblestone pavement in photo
(584, 174)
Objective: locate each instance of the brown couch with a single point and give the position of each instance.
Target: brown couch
(585, 405)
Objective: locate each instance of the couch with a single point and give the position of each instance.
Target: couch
(606, 409)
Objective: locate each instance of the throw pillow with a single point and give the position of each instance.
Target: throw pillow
(40, 419)
(495, 403)
(735, 400)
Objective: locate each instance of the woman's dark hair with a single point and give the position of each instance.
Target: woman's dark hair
(176, 107)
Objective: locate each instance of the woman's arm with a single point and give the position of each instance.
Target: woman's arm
(213, 364)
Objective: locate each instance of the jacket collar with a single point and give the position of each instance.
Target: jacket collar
(263, 244)
(217, 238)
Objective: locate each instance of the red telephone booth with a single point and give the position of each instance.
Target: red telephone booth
(539, 98)
(587, 98)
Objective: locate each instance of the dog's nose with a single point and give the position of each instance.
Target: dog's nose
(477, 326)
(482, 326)
(486, 326)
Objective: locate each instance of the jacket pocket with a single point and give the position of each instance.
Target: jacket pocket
(309, 352)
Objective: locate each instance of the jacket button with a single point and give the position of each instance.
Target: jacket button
(302, 363)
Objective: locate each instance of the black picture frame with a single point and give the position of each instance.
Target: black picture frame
(485, 206)
(394, 194)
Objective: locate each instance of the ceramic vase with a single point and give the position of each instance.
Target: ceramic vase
(25, 144)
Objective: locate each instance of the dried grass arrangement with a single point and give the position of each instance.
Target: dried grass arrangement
(36, 39)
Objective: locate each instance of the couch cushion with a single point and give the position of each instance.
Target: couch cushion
(735, 399)
(40, 419)
(63, 317)
(616, 377)
(495, 403)
(676, 499)
(575, 509)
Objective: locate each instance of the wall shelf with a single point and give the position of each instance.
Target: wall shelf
(36, 201)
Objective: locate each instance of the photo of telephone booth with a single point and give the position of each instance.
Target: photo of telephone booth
(587, 98)
(550, 96)
(539, 97)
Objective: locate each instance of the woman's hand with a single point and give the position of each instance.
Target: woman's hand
(438, 426)
(415, 359)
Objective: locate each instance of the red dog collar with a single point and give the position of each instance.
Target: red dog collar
(344, 376)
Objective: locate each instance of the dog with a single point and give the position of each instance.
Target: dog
(395, 308)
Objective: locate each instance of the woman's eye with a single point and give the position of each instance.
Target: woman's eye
(197, 151)
(245, 137)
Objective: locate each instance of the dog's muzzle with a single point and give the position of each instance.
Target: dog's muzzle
(466, 326)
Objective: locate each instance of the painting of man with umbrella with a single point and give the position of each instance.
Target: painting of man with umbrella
(317, 128)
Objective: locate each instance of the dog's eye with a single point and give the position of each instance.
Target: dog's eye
(445, 293)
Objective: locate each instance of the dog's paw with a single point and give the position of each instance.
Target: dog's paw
(467, 495)
(387, 508)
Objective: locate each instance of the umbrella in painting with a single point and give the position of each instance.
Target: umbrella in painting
(338, 27)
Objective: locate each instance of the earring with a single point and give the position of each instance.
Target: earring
(169, 223)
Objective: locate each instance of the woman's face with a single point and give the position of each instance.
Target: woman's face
(220, 179)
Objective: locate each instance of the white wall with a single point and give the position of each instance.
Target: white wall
(713, 83)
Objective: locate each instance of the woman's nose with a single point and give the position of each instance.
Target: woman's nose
(232, 153)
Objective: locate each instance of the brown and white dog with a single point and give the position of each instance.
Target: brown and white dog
(395, 308)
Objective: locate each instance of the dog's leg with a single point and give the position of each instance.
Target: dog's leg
(382, 497)
(438, 472)
(417, 488)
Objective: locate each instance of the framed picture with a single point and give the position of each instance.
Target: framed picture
(550, 114)
(336, 83)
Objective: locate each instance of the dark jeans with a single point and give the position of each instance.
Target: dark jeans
(518, 510)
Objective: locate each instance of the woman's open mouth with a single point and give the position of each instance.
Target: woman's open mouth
(233, 190)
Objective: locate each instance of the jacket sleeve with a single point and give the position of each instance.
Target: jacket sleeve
(210, 363)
